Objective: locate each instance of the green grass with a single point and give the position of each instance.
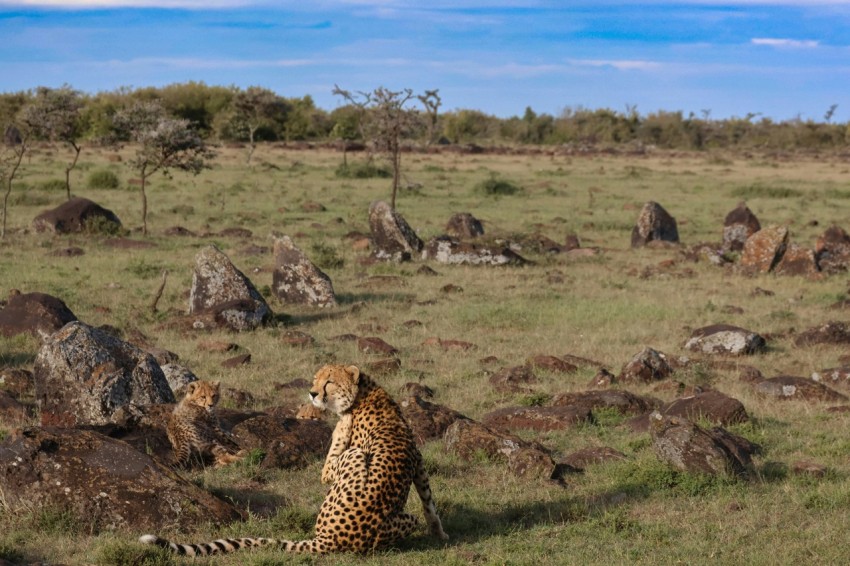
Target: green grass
(635, 511)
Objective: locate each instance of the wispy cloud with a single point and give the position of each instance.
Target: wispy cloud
(85, 4)
(619, 64)
(782, 42)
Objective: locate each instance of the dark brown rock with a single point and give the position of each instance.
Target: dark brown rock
(646, 366)
(798, 260)
(107, 481)
(711, 406)
(447, 250)
(83, 375)
(72, 251)
(833, 377)
(392, 237)
(739, 225)
(829, 333)
(296, 280)
(37, 314)
(624, 402)
(14, 414)
(297, 339)
(654, 224)
(236, 232)
(798, 388)
(384, 366)
(541, 419)
(689, 448)
(17, 382)
(602, 379)
(596, 455)
(764, 249)
(551, 363)
(833, 250)
(375, 345)
(412, 389)
(464, 225)
(467, 438)
(73, 216)
(513, 379)
(236, 361)
(287, 442)
(428, 420)
(807, 468)
(224, 293)
(725, 339)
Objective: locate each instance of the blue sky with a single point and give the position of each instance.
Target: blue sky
(780, 59)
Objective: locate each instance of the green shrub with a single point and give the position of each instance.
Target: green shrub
(100, 225)
(362, 171)
(497, 187)
(53, 185)
(326, 257)
(102, 179)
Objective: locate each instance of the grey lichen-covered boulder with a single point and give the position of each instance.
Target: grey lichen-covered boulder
(725, 339)
(790, 387)
(798, 260)
(37, 314)
(297, 280)
(83, 375)
(654, 224)
(224, 294)
(392, 237)
(444, 249)
(74, 216)
(104, 482)
(833, 250)
(689, 448)
(739, 225)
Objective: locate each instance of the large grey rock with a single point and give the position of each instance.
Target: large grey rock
(37, 314)
(220, 289)
(296, 280)
(620, 400)
(444, 249)
(103, 481)
(73, 216)
(654, 224)
(392, 237)
(689, 448)
(833, 250)
(83, 375)
(427, 420)
(725, 339)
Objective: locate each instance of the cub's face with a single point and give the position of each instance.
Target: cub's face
(203, 393)
(335, 387)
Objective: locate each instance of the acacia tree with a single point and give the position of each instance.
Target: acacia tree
(255, 108)
(385, 121)
(164, 144)
(13, 150)
(431, 101)
(55, 114)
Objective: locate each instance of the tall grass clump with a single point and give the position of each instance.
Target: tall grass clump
(101, 179)
(495, 186)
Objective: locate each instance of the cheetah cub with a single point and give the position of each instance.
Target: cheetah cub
(194, 425)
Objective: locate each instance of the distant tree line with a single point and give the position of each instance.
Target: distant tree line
(256, 114)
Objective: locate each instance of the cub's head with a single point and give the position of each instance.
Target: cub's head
(202, 393)
(335, 387)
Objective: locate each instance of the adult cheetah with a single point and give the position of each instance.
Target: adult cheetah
(371, 464)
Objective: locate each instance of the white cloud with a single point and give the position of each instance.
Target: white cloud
(619, 64)
(781, 42)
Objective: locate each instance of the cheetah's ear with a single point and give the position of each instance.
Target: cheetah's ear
(215, 384)
(354, 372)
(190, 387)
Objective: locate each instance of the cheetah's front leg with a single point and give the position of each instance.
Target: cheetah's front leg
(339, 443)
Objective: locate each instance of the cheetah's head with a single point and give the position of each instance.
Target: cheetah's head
(203, 393)
(335, 387)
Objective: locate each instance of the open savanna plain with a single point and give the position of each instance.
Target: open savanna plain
(605, 307)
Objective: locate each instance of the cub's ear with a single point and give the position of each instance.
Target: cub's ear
(215, 384)
(190, 387)
(354, 372)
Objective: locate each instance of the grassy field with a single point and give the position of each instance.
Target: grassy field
(606, 307)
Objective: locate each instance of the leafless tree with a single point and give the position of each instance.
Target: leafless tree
(55, 114)
(164, 143)
(12, 154)
(431, 101)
